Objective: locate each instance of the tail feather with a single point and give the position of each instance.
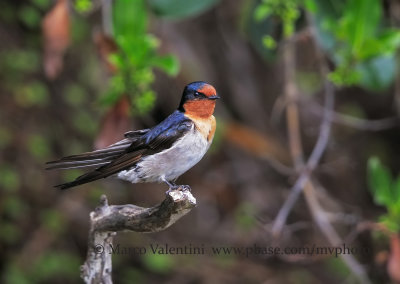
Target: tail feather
(89, 159)
(111, 160)
(85, 178)
(66, 163)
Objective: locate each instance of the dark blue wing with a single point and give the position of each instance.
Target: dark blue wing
(146, 142)
(166, 133)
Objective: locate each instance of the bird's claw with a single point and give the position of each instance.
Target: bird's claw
(178, 187)
(185, 188)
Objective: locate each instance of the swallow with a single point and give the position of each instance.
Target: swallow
(158, 154)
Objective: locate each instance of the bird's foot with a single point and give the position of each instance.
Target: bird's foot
(178, 187)
(185, 188)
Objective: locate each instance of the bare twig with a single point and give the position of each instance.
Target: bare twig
(339, 118)
(107, 220)
(292, 111)
(322, 220)
(312, 162)
(319, 215)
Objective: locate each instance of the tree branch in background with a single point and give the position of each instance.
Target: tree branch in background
(355, 122)
(106, 220)
(313, 160)
(305, 170)
(106, 17)
(292, 111)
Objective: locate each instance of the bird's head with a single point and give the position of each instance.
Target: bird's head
(198, 99)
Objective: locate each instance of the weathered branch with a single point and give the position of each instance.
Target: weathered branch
(106, 220)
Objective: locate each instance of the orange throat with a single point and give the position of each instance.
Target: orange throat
(200, 109)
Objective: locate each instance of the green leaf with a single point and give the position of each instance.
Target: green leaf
(310, 6)
(379, 182)
(179, 9)
(391, 223)
(143, 78)
(30, 16)
(129, 18)
(169, 64)
(360, 22)
(269, 42)
(145, 101)
(117, 60)
(390, 40)
(344, 76)
(377, 73)
(396, 191)
(83, 6)
(262, 12)
(160, 263)
(363, 49)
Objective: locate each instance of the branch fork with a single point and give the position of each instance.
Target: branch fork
(107, 220)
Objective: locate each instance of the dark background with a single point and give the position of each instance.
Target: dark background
(240, 184)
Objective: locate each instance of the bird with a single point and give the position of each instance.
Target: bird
(158, 154)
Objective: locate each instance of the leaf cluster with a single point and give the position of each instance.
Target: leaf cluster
(386, 192)
(136, 57)
(354, 34)
(359, 41)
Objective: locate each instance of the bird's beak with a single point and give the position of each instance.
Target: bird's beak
(215, 97)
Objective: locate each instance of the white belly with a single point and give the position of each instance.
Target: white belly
(170, 163)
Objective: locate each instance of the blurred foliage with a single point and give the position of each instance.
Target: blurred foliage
(48, 267)
(352, 32)
(287, 11)
(179, 9)
(136, 56)
(130, 273)
(386, 192)
(9, 178)
(38, 147)
(359, 41)
(158, 263)
(244, 216)
(83, 6)
(52, 220)
(43, 119)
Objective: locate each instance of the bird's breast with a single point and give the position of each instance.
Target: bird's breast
(205, 126)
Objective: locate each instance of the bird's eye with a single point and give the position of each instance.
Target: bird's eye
(196, 94)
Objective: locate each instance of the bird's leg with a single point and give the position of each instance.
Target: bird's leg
(183, 187)
(173, 186)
